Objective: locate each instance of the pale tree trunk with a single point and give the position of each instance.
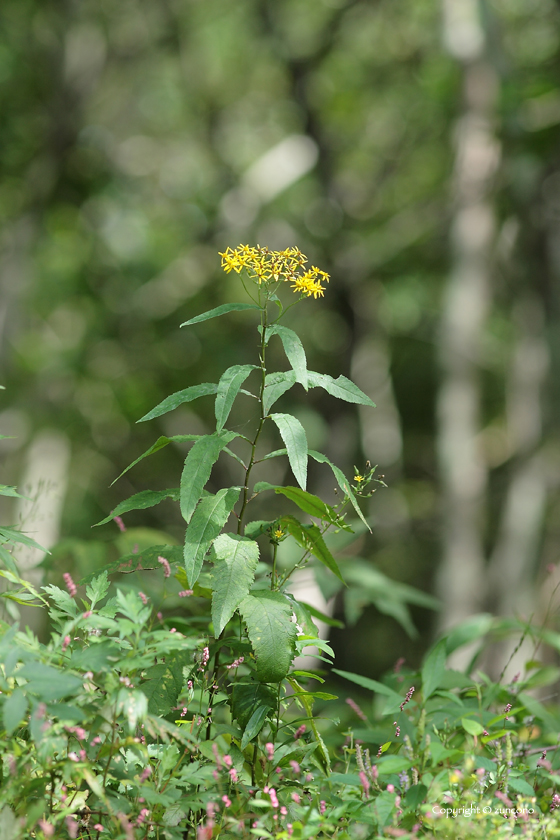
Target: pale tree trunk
(466, 301)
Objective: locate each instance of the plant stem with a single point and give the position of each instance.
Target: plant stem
(273, 575)
(264, 324)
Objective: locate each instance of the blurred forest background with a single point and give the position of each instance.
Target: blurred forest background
(412, 150)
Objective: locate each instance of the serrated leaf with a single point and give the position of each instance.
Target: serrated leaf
(311, 504)
(258, 527)
(246, 698)
(520, 786)
(220, 310)
(342, 482)
(197, 469)
(62, 599)
(15, 710)
(160, 443)
(235, 559)
(293, 435)
(207, 521)
(141, 501)
(433, 669)
(7, 490)
(228, 388)
(272, 633)
(8, 560)
(49, 683)
(275, 385)
(13, 536)
(179, 398)
(98, 588)
(293, 349)
(341, 388)
(310, 538)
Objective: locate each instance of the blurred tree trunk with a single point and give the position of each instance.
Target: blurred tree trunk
(466, 302)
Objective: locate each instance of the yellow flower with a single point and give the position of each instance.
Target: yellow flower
(266, 266)
(358, 479)
(278, 534)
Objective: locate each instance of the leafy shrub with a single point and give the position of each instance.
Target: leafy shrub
(126, 724)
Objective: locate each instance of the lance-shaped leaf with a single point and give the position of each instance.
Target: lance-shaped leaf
(250, 705)
(311, 504)
(342, 481)
(235, 559)
(207, 521)
(155, 447)
(220, 310)
(272, 633)
(197, 469)
(307, 702)
(228, 388)
(7, 490)
(293, 349)
(178, 398)
(276, 384)
(293, 435)
(13, 536)
(310, 538)
(141, 501)
(341, 388)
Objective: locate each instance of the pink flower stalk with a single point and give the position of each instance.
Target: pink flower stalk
(296, 797)
(166, 566)
(72, 826)
(322, 807)
(236, 663)
(96, 740)
(65, 642)
(80, 733)
(204, 659)
(290, 829)
(409, 694)
(160, 616)
(70, 585)
(98, 827)
(299, 732)
(354, 706)
(272, 793)
(364, 782)
(269, 750)
(227, 801)
(507, 709)
(46, 828)
(233, 774)
(142, 816)
(398, 664)
(295, 767)
(120, 523)
(146, 773)
(283, 810)
(185, 593)
(87, 614)
(143, 598)
(228, 760)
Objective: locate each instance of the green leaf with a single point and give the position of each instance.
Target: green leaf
(235, 559)
(311, 504)
(141, 501)
(320, 616)
(520, 786)
(293, 349)
(256, 723)
(159, 444)
(248, 698)
(310, 538)
(467, 631)
(342, 481)
(415, 795)
(433, 668)
(276, 384)
(13, 536)
(15, 710)
(258, 527)
(261, 486)
(62, 599)
(220, 310)
(6, 490)
(178, 398)
(307, 702)
(271, 631)
(341, 388)
(8, 560)
(228, 388)
(97, 589)
(49, 683)
(471, 727)
(293, 435)
(197, 469)
(372, 685)
(208, 520)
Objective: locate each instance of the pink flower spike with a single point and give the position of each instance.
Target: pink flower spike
(46, 828)
(227, 801)
(166, 566)
(143, 598)
(270, 750)
(185, 593)
(65, 642)
(146, 773)
(322, 807)
(98, 827)
(228, 760)
(70, 585)
(120, 523)
(233, 774)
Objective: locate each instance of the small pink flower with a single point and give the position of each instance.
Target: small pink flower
(322, 806)
(283, 810)
(120, 523)
(295, 767)
(226, 801)
(270, 750)
(296, 797)
(364, 782)
(142, 816)
(72, 826)
(65, 642)
(166, 566)
(185, 593)
(233, 774)
(173, 630)
(70, 585)
(96, 740)
(391, 788)
(46, 828)
(299, 732)
(143, 598)
(98, 827)
(160, 616)
(228, 760)
(87, 614)
(146, 773)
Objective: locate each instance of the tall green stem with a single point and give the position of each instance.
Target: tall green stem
(264, 324)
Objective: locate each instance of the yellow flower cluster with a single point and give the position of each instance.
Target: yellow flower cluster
(266, 266)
